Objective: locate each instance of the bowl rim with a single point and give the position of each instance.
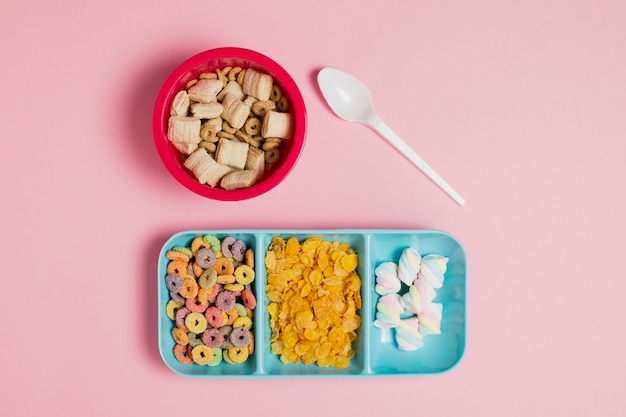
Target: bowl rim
(161, 115)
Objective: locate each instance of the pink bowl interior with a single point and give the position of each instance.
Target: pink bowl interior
(208, 61)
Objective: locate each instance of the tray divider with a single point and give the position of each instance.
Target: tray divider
(366, 311)
(259, 320)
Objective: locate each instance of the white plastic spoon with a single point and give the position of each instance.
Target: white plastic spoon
(350, 99)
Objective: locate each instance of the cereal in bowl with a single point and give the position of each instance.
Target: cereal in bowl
(230, 125)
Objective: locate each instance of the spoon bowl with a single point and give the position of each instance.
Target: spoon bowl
(350, 99)
(347, 97)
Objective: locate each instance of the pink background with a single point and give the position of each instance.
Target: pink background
(520, 106)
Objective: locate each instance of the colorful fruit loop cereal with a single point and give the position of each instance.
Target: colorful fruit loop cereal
(208, 318)
(314, 293)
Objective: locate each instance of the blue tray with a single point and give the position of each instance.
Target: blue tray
(376, 352)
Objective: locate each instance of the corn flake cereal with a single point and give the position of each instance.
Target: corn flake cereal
(314, 295)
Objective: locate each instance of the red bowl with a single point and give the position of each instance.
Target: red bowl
(209, 61)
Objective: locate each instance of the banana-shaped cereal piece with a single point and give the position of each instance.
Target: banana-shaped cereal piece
(180, 104)
(205, 90)
(276, 125)
(255, 161)
(232, 153)
(257, 84)
(235, 112)
(209, 110)
(183, 129)
(231, 88)
(239, 179)
(205, 168)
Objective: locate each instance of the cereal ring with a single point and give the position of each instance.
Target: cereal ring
(244, 274)
(260, 107)
(198, 243)
(203, 295)
(241, 76)
(208, 278)
(180, 336)
(226, 244)
(225, 300)
(208, 145)
(177, 267)
(232, 315)
(232, 74)
(226, 330)
(240, 337)
(225, 355)
(195, 306)
(249, 300)
(237, 354)
(252, 126)
(190, 287)
(208, 132)
(243, 322)
(185, 250)
(226, 127)
(214, 242)
(225, 279)
(242, 136)
(212, 338)
(202, 354)
(221, 74)
(214, 291)
(181, 314)
(223, 266)
(238, 250)
(196, 322)
(194, 340)
(241, 310)
(272, 156)
(205, 258)
(171, 308)
(249, 258)
(226, 135)
(181, 353)
(196, 270)
(271, 143)
(174, 282)
(177, 254)
(214, 317)
(235, 288)
(177, 297)
(283, 104)
(217, 357)
(276, 93)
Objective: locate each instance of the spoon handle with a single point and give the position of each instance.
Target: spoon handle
(380, 127)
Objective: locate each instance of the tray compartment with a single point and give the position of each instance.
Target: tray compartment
(270, 363)
(440, 352)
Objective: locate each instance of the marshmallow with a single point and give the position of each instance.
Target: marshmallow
(388, 311)
(409, 265)
(433, 269)
(418, 297)
(408, 336)
(387, 281)
(430, 319)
